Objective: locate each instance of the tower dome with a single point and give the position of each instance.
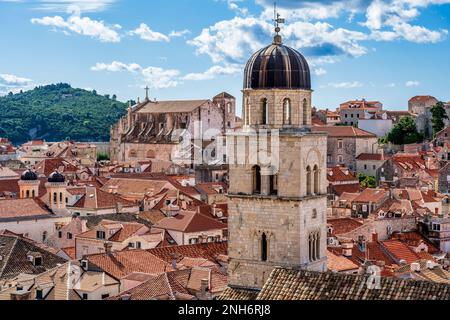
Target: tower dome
(29, 175)
(277, 67)
(56, 177)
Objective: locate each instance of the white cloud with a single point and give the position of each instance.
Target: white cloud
(344, 85)
(145, 33)
(214, 71)
(389, 20)
(13, 83)
(412, 83)
(179, 33)
(13, 80)
(155, 77)
(319, 71)
(232, 40)
(159, 78)
(391, 85)
(81, 25)
(117, 66)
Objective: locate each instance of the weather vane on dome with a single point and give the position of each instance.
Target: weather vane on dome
(277, 21)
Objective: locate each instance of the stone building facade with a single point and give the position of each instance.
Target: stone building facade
(154, 130)
(346, 143)
(277, 194)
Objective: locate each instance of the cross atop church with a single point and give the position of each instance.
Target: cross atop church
(277, 21)
(146, 92)
(277, 18)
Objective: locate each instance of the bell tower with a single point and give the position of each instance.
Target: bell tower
(277, 194)
(56, 192)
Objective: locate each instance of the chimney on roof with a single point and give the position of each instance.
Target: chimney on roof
(347, 249)
(204, 286)
(108, 247)
(374, 236)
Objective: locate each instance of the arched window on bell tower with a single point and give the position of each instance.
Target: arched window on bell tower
(264, 111)
(273, 184)
(314, 246)
(287, 115)
(256, 173)
(305, 112)
(264, 247)
(308, 181)
(316, 180)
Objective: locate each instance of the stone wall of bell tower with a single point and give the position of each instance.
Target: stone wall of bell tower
(283, 211)
(269, 108)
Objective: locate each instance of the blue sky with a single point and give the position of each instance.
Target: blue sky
(387, 50)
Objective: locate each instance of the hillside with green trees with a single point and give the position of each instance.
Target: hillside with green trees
(58, 112)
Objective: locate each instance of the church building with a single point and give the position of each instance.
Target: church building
(277, 207)
(153, 129)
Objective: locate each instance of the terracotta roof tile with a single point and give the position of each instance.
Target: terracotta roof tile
(285, 284)
(343, 131)
(189, 221)
(400, 251)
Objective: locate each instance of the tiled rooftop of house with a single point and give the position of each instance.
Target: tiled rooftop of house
(15, 252)
(399, 251)
(371, 195)
(286, 284)
(189, 221)
(23, 209)
(371, 157)
(343, 131)
(97, 199)
(344, 225)
(340, 263)
(122, 263)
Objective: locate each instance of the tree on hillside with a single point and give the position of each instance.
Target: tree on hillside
(404, 132)
(438, 115)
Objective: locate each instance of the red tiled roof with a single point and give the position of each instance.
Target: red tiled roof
(421, 99)
(98, 199)
(71, 252)
(413, 239)
(47, 166)
(210, 187)
(189, 221)
(371, 195)
(370, 157)
(344, 225)
(340, 189)
(122, 263)
(208, 251)
(400, 251)
(373, 252)
(23, 208)
(340, 174)
(343, 131)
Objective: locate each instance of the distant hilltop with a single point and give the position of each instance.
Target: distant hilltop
(58, 112)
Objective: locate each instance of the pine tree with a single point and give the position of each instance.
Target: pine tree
(438, 115)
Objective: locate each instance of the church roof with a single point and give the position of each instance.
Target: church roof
(277, 67)
(175, 106)
(223, 95)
